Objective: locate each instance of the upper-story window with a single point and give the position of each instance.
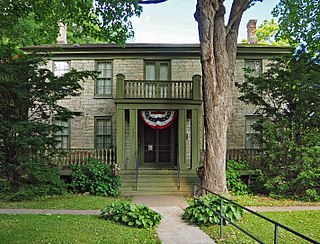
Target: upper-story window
(251, 142)
(103, 85)
(63, 135)
(255, 66)
(157, 70)
(61, 67)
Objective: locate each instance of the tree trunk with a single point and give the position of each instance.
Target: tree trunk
(218, 45)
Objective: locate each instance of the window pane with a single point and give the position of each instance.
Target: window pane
(150, 71)
(254, 66)
(103, 133)
(63, 135)
(104, 83)
(250, 132)
(164, 71)
(61, 67)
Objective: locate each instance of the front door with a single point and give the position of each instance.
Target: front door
(158, 147)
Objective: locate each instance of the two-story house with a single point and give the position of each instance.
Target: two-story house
(147, 105)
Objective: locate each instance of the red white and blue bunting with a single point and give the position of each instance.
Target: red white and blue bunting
(158, 119)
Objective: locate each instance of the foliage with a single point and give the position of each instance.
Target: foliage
(34, 179)
(199, 212)
(287, 97)
(28, 102)
(95, 177)
(234, 182)
(131, 214)
(107, 21)
(46, 228)
(266, 34)
(299, 23)
(305, 222)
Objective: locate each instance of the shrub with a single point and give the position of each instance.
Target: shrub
(131, 214)
(234, 182)
(34, 179)
(95, 177)
(199, 214)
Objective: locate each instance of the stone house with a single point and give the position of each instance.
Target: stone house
(147, 104)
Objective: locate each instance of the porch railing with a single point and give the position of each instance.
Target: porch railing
(248, 155)
(78, 156)
(159, 89)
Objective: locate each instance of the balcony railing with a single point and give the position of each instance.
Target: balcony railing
(188, 90)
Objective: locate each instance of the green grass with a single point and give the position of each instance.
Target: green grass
(67, 201)
(257, 201)
(305, 222)
(69, 229)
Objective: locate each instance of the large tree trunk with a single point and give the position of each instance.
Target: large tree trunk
(218, 45)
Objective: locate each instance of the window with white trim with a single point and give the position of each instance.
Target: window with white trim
(103, 85)
(103, 132)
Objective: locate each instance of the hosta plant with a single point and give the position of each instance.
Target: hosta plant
(200, 214)
(131, 214)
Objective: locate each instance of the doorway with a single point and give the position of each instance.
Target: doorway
(158, 147)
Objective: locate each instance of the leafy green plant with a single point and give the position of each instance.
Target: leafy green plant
(34, 179)
(200, 214)
(95, 177)
(131, 214)
(234, 182)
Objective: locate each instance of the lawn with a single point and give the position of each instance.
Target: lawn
(69, 229)
(305, 222)
(67, 201)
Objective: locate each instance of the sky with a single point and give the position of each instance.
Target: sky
(173, 21)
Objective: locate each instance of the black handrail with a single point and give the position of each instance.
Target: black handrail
(220, 214)
(137, 171)
(178, 173)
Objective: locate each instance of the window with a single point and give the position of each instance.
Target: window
(104, 80)
(61, 67)
(63, 135)
(157, 71)
(250, 131)
(254, 66)
(103, 132)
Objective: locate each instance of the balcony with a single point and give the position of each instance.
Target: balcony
(146, 89)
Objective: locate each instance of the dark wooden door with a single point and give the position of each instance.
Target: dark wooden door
(159, 146)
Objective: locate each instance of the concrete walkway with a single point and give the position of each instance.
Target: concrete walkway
(172, 229)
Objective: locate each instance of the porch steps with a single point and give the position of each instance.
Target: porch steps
(157, 182)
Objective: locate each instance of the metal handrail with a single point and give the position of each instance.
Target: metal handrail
(137, 171)
(178, 173)
(220, 214)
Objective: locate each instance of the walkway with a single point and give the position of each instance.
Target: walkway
(172, 229)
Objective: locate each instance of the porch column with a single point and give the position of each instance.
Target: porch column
(133, 138)
(182, 138)
(120, 137)
(195, 138)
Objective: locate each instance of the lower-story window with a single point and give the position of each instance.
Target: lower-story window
(62, 136)
(251, 143)
(103, 132)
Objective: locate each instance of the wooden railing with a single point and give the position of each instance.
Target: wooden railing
(248, 155)
(78, 156)
(159, 89)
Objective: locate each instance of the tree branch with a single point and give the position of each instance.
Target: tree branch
(237, 9)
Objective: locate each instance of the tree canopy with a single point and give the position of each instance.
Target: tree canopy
(299, 23)
(107, 21)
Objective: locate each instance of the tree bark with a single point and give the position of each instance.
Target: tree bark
(218, 46)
